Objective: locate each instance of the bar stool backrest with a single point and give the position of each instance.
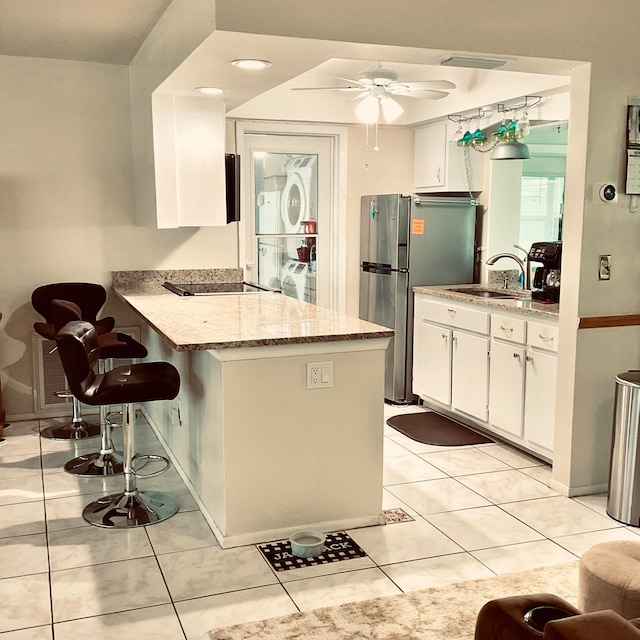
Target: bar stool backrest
(88, 296)
(79, 350)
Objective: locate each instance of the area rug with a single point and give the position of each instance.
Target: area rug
(438, 613)
(428, 427)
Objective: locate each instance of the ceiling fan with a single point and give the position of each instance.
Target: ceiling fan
(376, 86)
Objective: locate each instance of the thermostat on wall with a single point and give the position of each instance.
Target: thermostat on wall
(606, 192)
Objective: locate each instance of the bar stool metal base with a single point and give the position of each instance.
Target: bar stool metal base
(122, 511)
(96, 464)
(81, 430)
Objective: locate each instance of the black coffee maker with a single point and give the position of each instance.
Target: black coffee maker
(546, 280)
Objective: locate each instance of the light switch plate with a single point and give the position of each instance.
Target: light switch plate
(604, 267)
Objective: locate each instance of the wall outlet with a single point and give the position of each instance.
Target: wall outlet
(319, 375)
(604, 267)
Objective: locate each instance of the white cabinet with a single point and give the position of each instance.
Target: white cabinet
(188, 148)
(497, 369)
(523, 381)
(470, 374)
(506, 387)
(440, 165)
(540, 386)
(450, 362)
(432, 362)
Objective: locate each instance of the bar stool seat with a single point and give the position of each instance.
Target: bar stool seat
(146, 382)
(112, 346)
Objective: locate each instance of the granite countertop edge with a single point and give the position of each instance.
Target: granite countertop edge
(518, 304)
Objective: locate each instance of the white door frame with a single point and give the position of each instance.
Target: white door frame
(337, 232)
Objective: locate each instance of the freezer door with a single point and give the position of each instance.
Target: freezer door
(383, 300)
(384, 223)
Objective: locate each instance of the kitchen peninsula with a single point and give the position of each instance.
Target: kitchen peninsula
(262, 453)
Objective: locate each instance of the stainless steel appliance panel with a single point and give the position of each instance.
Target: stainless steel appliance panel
(405, 243)
(383, 300)
(384, 223)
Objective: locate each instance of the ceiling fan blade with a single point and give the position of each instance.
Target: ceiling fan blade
(364, 82)
(402, 90)
(328, 88)
(430, 84)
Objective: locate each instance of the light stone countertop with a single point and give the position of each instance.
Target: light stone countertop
(519, 303)
(194, 323)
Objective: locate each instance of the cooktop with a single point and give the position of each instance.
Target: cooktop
(213, 288)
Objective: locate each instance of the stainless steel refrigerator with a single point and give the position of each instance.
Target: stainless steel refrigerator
(408, 241)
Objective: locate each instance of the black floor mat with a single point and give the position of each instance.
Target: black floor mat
(428, 427)
(338, 546)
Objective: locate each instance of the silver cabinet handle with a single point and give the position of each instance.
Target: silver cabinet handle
(545, 338)
(529, 359)
(516, 355)
(507, 329)
(452, 312)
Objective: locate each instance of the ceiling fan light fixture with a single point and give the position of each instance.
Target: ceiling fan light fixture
(391, 109)
(368, 110)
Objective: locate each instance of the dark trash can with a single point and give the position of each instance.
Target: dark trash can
(623, 500)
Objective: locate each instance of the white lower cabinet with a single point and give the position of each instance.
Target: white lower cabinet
(506, 387)
(432, 352)
(540, 399)
(470, 374)
(506, 382)
(450, 365)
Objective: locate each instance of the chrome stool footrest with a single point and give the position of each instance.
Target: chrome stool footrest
(145, 458)
(123, 511)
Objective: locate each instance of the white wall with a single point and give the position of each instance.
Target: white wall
(66, 200)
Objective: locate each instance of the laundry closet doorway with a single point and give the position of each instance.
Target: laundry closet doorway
(289, 234)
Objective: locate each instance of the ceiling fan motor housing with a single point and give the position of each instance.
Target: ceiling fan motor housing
(380, 76)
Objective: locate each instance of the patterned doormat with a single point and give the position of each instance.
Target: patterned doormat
(338, 546)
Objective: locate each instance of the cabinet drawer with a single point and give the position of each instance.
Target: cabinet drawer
(507, 328)
(453, 315)
(543, 336)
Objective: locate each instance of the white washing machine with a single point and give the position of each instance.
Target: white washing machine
(299, 197)
(294, 279)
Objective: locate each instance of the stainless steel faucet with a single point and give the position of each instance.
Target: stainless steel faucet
(493, 259)
(527, 264)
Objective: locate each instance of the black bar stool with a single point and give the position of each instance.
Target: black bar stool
(90, 298)
(112, 345)
(145, 382)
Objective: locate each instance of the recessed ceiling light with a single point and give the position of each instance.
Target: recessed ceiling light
(209, 91)
(473, 63)
(248, 63)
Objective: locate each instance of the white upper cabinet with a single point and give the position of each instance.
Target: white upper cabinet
(188, 149)
(439, 164)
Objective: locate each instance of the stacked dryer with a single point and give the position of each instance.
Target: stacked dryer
(298, 205)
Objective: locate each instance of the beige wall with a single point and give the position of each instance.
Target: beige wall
(66, 200)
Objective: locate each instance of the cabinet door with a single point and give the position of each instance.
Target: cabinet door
(470, 364)
(506, 387)
(432, 363)
(540, 398)
(429, 156)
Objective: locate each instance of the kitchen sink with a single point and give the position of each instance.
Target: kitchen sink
(485, 293)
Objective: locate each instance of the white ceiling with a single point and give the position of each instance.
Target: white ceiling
(112, 31)
(108, 31)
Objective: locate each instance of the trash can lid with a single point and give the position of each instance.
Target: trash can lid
(630, 378)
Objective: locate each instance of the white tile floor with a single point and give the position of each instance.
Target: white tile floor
(478, 511)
